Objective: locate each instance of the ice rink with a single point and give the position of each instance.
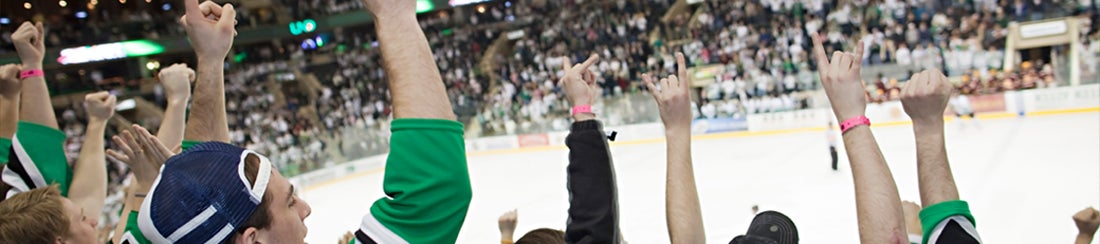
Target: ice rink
(1023, 177)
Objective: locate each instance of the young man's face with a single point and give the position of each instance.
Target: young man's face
(288, 212)
(81, 228)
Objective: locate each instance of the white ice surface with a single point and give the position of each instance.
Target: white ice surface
(1023, 177)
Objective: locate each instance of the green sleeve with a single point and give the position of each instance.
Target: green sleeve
(132, 234)
(187, 144)
(5, 148)
(44, 147)
(427, 183)
(933, 215)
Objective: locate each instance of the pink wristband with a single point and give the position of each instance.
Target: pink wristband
(582, 109)
(853, 122)
(31, 73)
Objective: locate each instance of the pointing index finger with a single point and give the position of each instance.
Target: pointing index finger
(191, 7)
(819, 52)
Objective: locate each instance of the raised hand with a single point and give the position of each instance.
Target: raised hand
(507, 225)
(9, 80)
(176, 80)
(925, 97)
(1087, 221)
(673, 96)
(210, 28)
(387, 9)
(142, 152)
(100, 106)
(30, 44)
(840, 77)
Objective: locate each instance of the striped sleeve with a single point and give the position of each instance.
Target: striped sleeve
(37, 159)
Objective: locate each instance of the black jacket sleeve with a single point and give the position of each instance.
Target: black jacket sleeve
(593, 199)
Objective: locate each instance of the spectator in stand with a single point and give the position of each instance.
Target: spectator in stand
(685, 220)
(422, 110)
(945, 218)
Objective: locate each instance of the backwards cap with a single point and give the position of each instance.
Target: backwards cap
(202, 195)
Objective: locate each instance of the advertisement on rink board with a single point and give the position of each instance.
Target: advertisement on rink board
(533, 140)
(716, 125)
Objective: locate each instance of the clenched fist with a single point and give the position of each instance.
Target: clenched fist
(1087, 221)
(9, 81)
(841, 79)
(507, 224)
(925, 97)
(673, 96)
(100, 106)
(210, 27)
(29, 42)
(176, 80)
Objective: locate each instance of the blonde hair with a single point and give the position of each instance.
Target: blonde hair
(35, 216)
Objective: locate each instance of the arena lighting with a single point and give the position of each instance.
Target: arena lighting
(109, 51)
(62, 3)
(27, 5)
(166, 7)
(424, 6)
(455, 3)
(4, 21)
(302, 27)
(124, 105)
(81, 14)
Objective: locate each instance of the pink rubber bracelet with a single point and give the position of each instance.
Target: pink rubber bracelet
(581, 109)
(31, 73)
(853, 122)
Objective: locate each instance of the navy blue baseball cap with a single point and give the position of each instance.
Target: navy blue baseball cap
(202, 195)
(769, 227)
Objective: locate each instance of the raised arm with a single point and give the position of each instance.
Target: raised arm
(415, 84)
(10, 87)
(144, 153)
(593, 201)
(682, 212)
(9, 105)
(878, 205)
(89, 187)
(176, 80)
(211, 30)
(507, 225)
(924, 98)
(1087, 221)
(427, 181)
(35, 106)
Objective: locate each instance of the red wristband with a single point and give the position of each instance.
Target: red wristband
(853, 122)
(31, 73)
(582, 109)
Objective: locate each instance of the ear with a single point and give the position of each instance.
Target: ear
(250, 235)
(58, 240)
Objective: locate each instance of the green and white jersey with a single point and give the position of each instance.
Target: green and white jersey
(949, 222)
(35, 159)
(427, 185)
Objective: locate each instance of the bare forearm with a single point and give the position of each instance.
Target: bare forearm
(172, 129)
(127, 207)
(878, 205)
(89, 186)
(208, 122)
(9, 116)
(937, 184)
(1083, 238)
(36, 106)
(415, 83)
(685, 219)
